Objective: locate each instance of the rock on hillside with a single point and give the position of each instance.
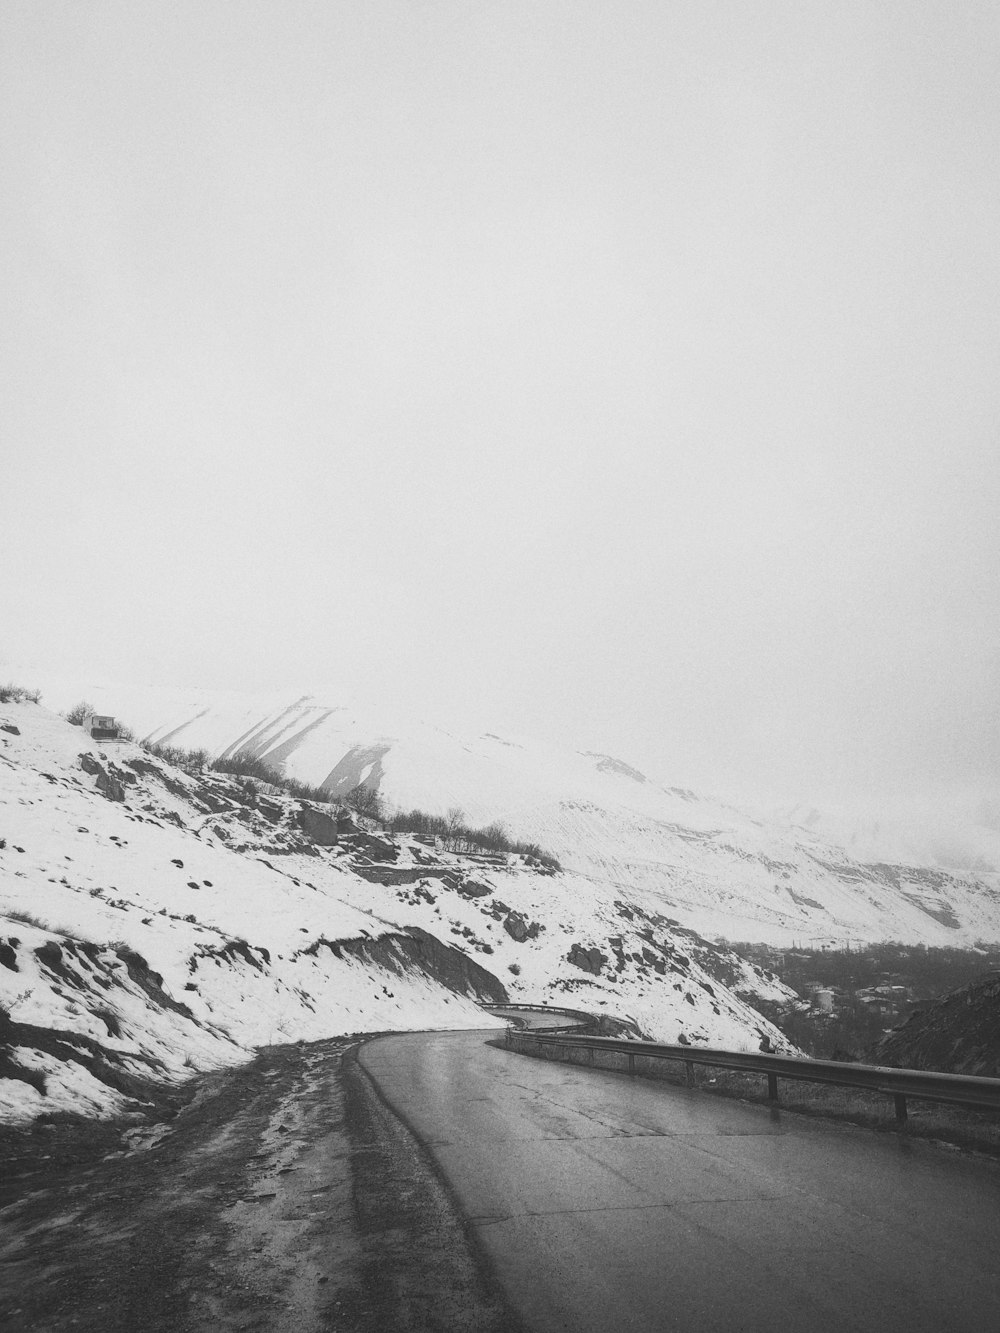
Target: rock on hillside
(720, 871)
(155, 921)
(959, 1034)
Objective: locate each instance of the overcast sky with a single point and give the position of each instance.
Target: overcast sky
(625, 374)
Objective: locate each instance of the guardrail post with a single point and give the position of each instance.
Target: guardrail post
(772, 1087)
(631, 1063)
(900, 1101)
(689, 1067)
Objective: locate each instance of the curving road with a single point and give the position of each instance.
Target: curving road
(605, 1203)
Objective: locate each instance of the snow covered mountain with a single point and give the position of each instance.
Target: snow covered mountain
(156, 921)
(719, 871)
(956, 838)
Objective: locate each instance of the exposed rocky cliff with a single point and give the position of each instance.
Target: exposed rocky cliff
(960, 1034)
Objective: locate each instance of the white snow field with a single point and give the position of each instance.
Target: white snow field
(716, 869)
(156, 921)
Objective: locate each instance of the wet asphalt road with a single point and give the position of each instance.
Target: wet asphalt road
(608, 1203)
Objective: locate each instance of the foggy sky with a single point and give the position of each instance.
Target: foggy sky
(620, 373)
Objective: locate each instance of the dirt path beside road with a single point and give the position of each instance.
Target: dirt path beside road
(279, 1197)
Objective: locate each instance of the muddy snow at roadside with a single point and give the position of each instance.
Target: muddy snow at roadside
(277, 1194)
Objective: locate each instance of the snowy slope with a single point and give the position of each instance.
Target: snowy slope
(154, 921)
(718, 870)
(963, 837)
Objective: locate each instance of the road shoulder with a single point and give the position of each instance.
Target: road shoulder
(281, 1195)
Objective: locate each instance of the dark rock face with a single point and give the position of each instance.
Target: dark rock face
(516, 927)
(520, 929)
(453, 968)
(271, 810)
(9, 726)
(588, 960)
(419, 949)
(392, 876)
(959, 1034)
(151, 982)
(110, 780)
(187, 793)
(51, 956)
(205, 800)
(255, 955)
(470, 888)
(368, 844)
(320, 827)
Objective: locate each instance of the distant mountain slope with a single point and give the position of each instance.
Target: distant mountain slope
(958, 1034)
(719, 871)
(964, 841)
(154, 921)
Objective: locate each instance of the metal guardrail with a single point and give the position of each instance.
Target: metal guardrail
(581, 1019)
(924, 1085)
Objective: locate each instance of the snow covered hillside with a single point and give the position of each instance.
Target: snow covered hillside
(956, 838)
(155, 921)
(718, 870)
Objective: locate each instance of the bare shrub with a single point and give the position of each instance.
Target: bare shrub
(18, 694)
(26, 919)
(177, 755)
(366, 801)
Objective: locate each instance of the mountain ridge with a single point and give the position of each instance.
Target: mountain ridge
(721, 871)
(157, 920)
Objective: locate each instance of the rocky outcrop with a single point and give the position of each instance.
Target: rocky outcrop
(519, 928)
(453, 968)
(361, 840)
(110, 780)
(470, 888)
(418, 950)
(319, 826)
(516, 927)
(149, 981)
(588, 960)
(391, 876)
(959, 1034)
